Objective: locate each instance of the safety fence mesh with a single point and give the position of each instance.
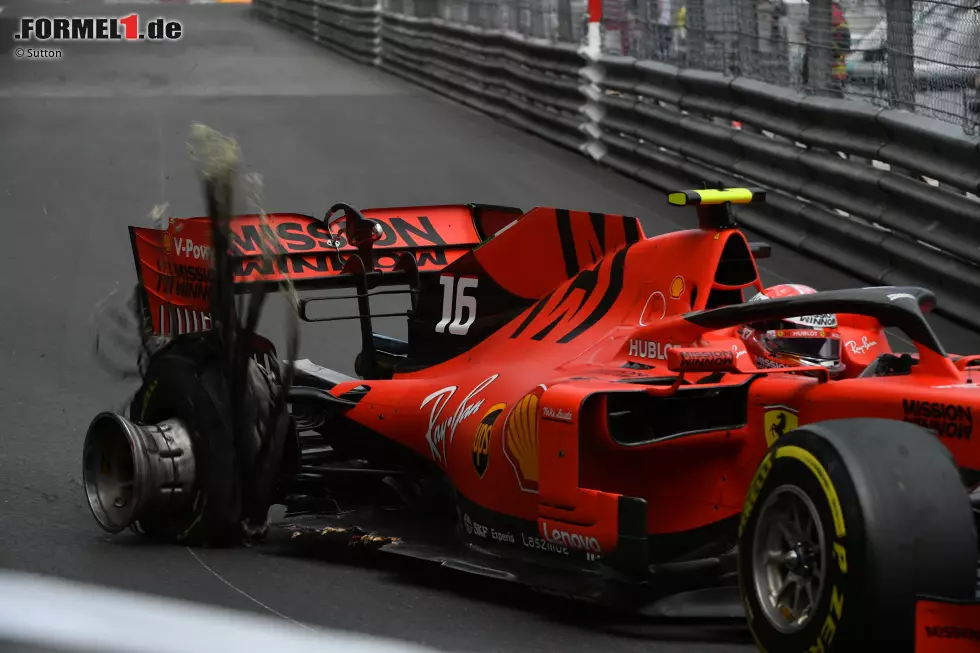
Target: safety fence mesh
(555, 20)
(923, 56)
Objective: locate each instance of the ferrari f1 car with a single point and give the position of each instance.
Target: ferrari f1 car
(572, 409)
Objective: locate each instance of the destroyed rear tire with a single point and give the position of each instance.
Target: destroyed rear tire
(183, 382)
(845, 523)
(186, 381)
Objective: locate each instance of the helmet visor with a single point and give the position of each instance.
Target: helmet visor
(807, 346)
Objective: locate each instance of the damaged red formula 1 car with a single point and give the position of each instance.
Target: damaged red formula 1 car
(574, 408)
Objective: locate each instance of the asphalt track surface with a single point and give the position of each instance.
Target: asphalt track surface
(89, 143)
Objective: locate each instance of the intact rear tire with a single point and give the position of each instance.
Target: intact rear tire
(891, 520)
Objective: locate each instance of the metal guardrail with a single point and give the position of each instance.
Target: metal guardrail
(883, 194)
(528, 82)
(350, 30)
(669, 126)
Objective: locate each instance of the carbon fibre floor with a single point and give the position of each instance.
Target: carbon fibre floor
(93, 140)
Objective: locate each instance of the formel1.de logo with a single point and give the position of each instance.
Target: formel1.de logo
(97, 28)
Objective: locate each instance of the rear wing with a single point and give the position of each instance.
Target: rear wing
(175, 266)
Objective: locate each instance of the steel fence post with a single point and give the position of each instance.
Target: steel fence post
(901, 67)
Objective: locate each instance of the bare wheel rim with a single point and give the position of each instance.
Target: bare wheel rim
(789, 559)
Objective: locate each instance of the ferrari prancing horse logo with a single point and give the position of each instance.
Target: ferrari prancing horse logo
(778, 421)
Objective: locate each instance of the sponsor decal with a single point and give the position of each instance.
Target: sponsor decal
(900, 295)
(481, 441)
(703, 358)
(317, 264)
(860, 349)
(802, 333)
(763, 362)
(777, 421)
(189, 273)
(676, 287)
(501, 537)
(437, 431)
(320, 250)
(953, 632)
(558, 415)
(187, 248)
(738, 352)
(572, 541)
(185, 281)
(474, 528)
(296, 237)
(521, 442)
(827, 320)
(947, 626)
(542, 545)
(649, 349)
(946, 420)
(301, 247)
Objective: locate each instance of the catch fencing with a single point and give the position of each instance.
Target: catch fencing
(922, 55)
(888, 195)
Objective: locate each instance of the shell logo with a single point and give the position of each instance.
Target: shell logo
(677, 287)
(521, 441)
(166, 242)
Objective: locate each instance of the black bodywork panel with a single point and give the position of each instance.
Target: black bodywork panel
(480, 547)
(638, 418)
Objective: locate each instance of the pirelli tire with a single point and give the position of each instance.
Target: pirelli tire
(892, 521)
(186, 381)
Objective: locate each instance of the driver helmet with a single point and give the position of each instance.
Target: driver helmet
(805, 341)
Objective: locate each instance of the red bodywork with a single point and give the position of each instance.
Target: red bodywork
(521, 421)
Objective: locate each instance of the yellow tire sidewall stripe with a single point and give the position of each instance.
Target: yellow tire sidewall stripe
(823, 478)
